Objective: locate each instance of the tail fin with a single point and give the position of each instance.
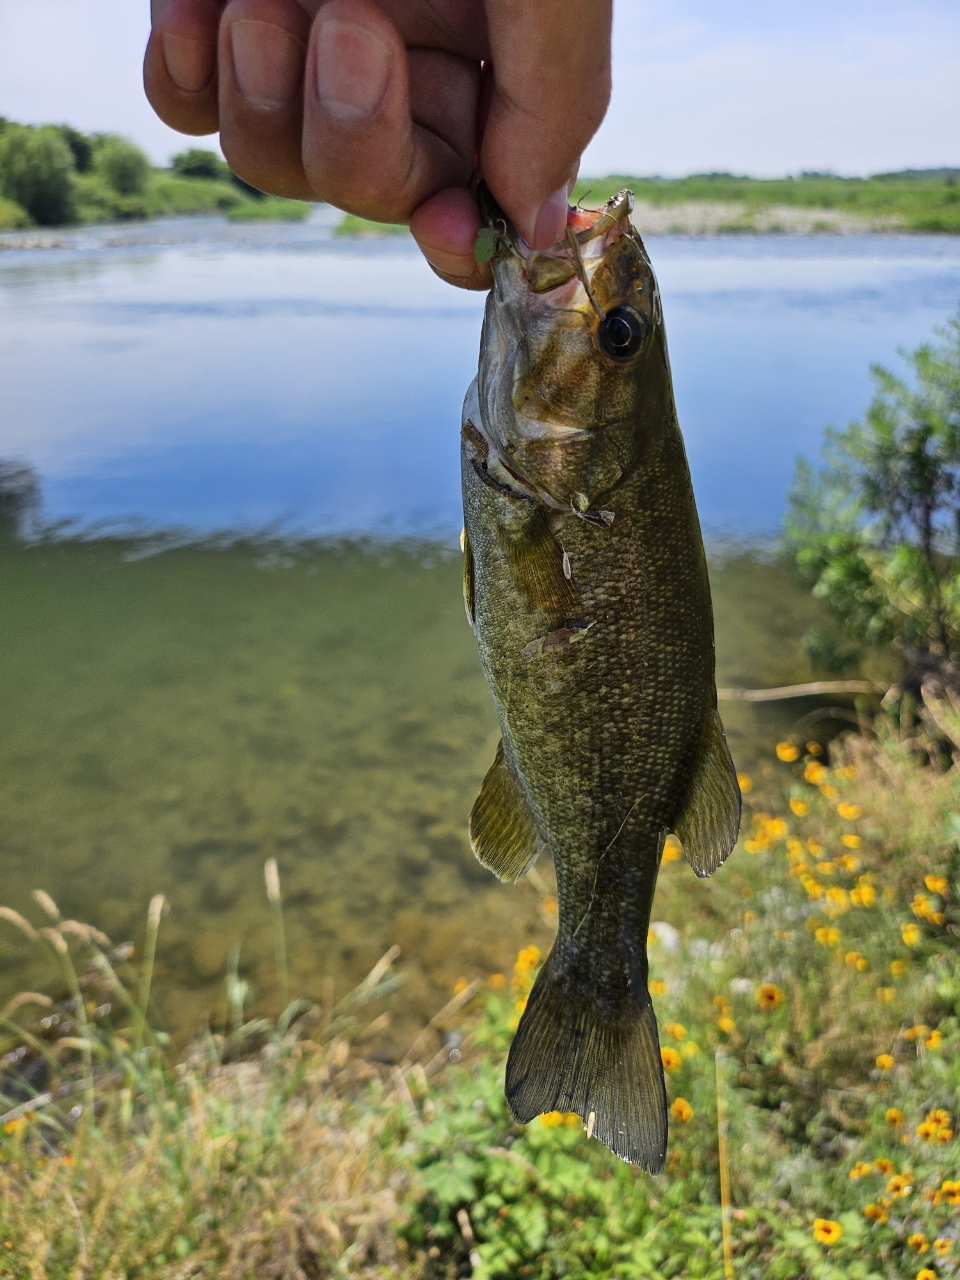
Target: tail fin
(568, 1055)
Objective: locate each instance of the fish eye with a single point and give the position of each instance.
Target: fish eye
(621, 332)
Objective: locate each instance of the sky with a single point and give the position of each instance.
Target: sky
(748, 86)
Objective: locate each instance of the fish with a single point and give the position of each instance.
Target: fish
(586, 584)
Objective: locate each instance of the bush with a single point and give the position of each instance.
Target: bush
(12, 215)
(197, 163)
(37, 172)
(80, 145)
(123, 165)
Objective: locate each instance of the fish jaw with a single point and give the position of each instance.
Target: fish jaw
(563, 415)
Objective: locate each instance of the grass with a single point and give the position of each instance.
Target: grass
(812, 988)
(271, 209)
(352, 225)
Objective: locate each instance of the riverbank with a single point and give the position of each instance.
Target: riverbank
(814, 983)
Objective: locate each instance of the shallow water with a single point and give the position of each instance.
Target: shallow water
(174, 714)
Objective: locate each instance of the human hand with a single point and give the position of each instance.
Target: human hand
(389, 110)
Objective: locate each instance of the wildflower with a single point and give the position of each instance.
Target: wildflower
(13, 1127)
(849, 812)
(521, 1004)
(937, 884)
(675, 1030)
(559, 1119)
(920, 906)
(885, 995)
(813, 886)
(681, 1110)
(775, 828)
(851, 841)
(926, 1274)
(927, 1131)
(939, 1116)
(901, 1184)
(815, 847)
(800, 868)
(934, 1040)
(657, 988)
(814, 749)
(876, 1213)
(721, 1002)
(827, 936)
(827, 868)
(814, 773)
(860, 1170)
(672, 850)
(461, 984)
(885, 1062)
(744, 782)
(864, 895)
(884, 1166)
(856, 960)
(898, 968)
(838, 899)
(756, 846)
(689, 1049)
(795, 847)
(919, 1242)
(787, 752)
(749, 917)
(952, 1191)
(943, 1245)
(670, 1059)
(829, 793)
(894, 1116)
(911, 934)
(825, 1231)
(848, 772)
(769, 995)
(944, 1136)
(849, 862)
(497, 980)
(727, 1025)
(799, 807)
(916, 1033)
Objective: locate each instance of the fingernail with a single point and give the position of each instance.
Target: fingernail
(353, 65)
(267, 62)
(189, 62)
(551, 220)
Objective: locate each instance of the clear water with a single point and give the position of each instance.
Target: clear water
(175, 712)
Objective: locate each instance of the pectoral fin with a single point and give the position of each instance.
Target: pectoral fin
(710, 819)
(468, 575)
(502, 831)
(536, 562)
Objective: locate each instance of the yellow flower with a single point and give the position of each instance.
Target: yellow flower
(898, 968)
(657, 988)
(556, 1119)
(848, 772)
(851, 841)
(814, 773)
(521, 1004)
(916, 1033)
(827, 936)
(795, 847)
(944, 1136)
(943, 1246)
(937, 884)
(681, 1110)
(775, 829)
(813, 886)
(769, 995)
(876, 1213)
(827, 868)
(814, 748)
(672, 849)
(885, 1062)
(727, 1025)
(670, 1059)
(939, 1116)
(849, 862)
(911, 934)
(920, 906)
(829, 793)
(755, 846)
(926, 1274)
(864, 895)
(934, 1040)
(839, 900)
(815, 847)
(860, 1170)
(927, 1131)
(787, 752)
(885, 995)
(744, 782)
(13, 1127)
(919, 1242)
(461, 984)
(850, 812)
(883, 1166)
(749, 917)
(799, 807)
(901, 1184)
(497, 980)
(689, 1049)
(528, 957)
(894, 1116)
(825, 1231)
(856, 960)
(675, 1030)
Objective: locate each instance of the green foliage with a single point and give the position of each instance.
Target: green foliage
(81, 147)
(37, 172)
(12, 215)
(270, 209)
(876, 532)
(197, 163)
(122, 165)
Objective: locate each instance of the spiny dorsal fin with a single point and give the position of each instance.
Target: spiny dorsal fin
(536, 563)
(708, 824)
(502, 831)
(468, 575)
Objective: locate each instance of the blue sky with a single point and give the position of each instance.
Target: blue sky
(749, 85)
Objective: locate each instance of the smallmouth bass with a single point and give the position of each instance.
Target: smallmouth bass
(585, 582)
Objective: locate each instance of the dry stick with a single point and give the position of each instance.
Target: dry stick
(271, 878)
(466, 1230)
(724, 1154)
(450, 1007)
(155, 910)
(802, 690)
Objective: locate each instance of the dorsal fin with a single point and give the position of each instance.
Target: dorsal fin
(710, 819)
(503, 834)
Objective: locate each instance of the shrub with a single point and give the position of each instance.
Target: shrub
(37, 172)
(12, 215)
(197, 163)
(122, 165)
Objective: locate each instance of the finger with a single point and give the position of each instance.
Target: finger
(445, 227)
(552, 85)
(383, 129)
(180, 64)
(263, 49)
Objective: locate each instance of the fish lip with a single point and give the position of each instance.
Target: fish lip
(618, 207)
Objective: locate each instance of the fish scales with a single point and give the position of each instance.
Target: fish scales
(586, 584)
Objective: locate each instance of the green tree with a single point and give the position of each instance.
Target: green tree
(876, 532)
(37, 172)
(197, 163)
(122, 165)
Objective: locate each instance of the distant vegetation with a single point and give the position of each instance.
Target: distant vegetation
(54, 176)
(915, 199)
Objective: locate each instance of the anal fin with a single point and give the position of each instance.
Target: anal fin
(710, 819)
(503, 834)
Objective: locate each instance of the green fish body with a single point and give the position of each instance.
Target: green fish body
(586, 584)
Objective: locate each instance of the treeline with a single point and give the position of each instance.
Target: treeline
(54, 175)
